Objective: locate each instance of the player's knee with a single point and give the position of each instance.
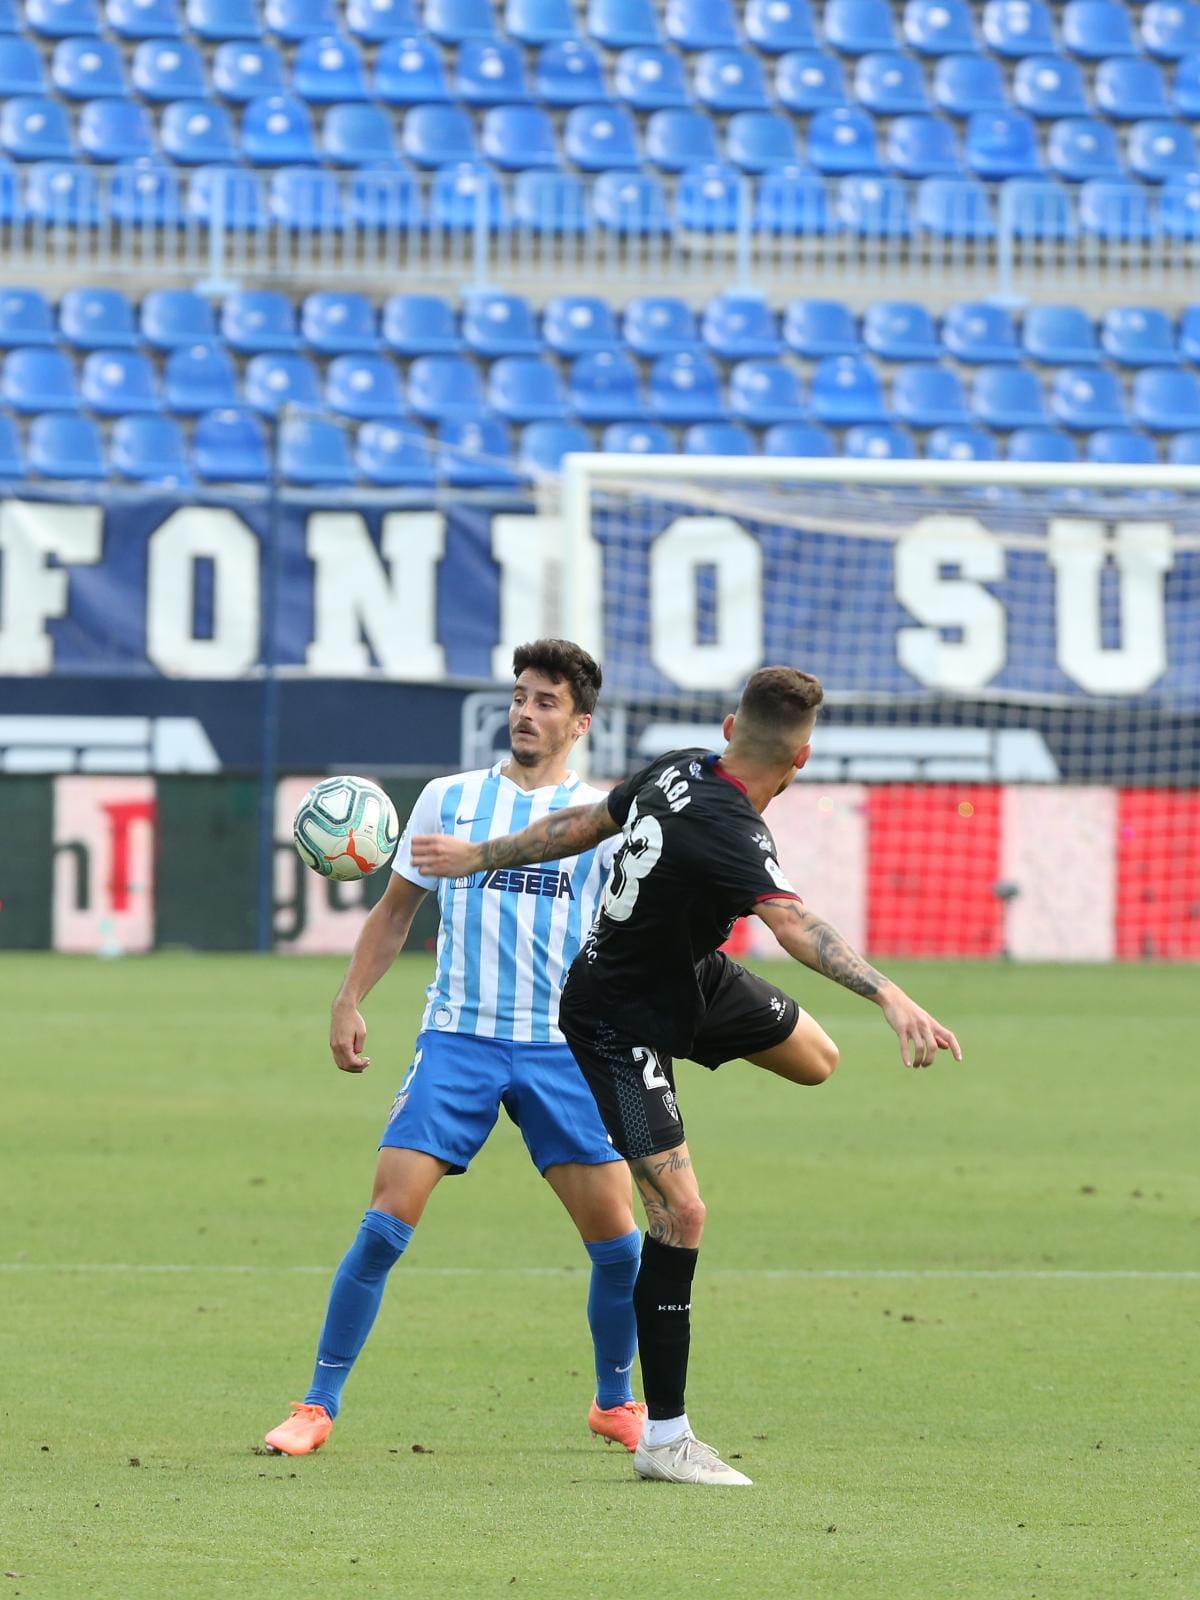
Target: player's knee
(820, 1061)
(689, 1218)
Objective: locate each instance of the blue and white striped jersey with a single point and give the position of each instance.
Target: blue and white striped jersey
(507, 937)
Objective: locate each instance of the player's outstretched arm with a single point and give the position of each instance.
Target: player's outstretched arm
(380, 940)
(553, 838)
(813, 941)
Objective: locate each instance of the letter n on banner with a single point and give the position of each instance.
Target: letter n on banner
(104, 838)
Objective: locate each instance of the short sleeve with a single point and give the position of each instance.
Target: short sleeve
(745, 866)
(425, 817)
(621, 799)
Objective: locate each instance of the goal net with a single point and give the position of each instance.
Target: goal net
(1008, 761)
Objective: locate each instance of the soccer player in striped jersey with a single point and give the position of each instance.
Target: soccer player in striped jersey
(490, 1038)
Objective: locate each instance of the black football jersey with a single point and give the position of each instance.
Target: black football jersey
(695, 857)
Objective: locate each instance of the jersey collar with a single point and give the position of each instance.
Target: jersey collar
(714, 761)
(571, 781)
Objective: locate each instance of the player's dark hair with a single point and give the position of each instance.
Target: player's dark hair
(775, 705)
(563, 662)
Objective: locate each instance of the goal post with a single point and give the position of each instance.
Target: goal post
(1008, 760)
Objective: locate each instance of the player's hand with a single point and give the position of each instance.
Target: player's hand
(440, 855)
(347, 1039)
(921, 1036)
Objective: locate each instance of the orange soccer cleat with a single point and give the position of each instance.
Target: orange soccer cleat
(621, 1424)
(305, 1430)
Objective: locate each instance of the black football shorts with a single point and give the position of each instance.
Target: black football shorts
(634, 1082)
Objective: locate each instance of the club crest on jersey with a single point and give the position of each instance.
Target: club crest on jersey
(529, 880)
(669, 1105)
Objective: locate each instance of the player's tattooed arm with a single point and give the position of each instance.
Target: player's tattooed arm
(555, 837)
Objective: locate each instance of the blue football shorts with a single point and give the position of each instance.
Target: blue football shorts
(453, 1091)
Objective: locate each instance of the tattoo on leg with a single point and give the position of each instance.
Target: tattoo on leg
(671, 1162)
(661, 1222)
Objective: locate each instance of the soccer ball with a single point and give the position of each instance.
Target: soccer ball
(346, 828)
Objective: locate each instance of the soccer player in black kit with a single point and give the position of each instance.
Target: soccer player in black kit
(651, 983)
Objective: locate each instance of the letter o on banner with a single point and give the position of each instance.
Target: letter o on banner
(676, 559)
(192, 534)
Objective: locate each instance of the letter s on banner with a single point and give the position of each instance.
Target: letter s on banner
(958, 602)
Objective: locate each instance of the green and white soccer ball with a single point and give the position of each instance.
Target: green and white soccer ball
(346, 828)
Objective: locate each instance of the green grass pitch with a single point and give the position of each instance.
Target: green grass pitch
(947, 1321)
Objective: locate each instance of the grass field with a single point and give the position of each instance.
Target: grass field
(948, 1320)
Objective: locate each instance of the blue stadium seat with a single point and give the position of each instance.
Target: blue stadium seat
(420, 325)
(12, 200)
(659, 325)
(395, 455)
(965, 85)
(364, 387)
(779, 25)
(63, 195)
(115, 130)
(759, 140)
(197, 132)
(617, 24)
(1097, 28)
(606, 386)
(816, 328)
(1179, 208)
(856, 26)
(1083, 147)
(144, 19)
(1008, 397)
(1018, 27)
(306, 199)
(961, 443)
(686, 388)
(116, 382)
(1121, 447)
(476, 452)
(496, 324)
(327, 68)
(337, 323)
(21, 70)
(579, 325)
(878, 441)
(569, 73)
(1167, 399)
(314, 450)
(874, 207)
(739, 325)
(410, 72)
(275, 380)
(976, 331)
(708, 198)
(701, 24)
(522, 137)
(230, 446)
(550, 202)
(1002, 144)
(1114, 211)
(928, 395)
(167, 69)
(34, 128)
(242, 70)
(791, 201)
(955, 208)
(1183, 449)
(939, 27)
(599, 137)
(62, 19)
(842, 139)
(277, 129)
(440, 387)
(1171, 28)
(718, 439)
(150, 449)
(1059, 336)
(1129, 87)
(800, 439)
(294, 20)
(491, 72)
(1037, 208)
(731, 79)
(146, 194)
(678, 139)
(66, 446)
(358, 135)
(231, 195)
(377, 21)
(1160, 148)
(900, 330)
(890, 84)
(467, 195)
(1139, 336)
(1185, 93)
(923, 147)
(630, 202)
(1189, 334)
(215, 20)
(1042, 444)
(38, 379)
(650, 78)
(1051, 86)
(97, 319)
(435, 135)
(1088, 397)
(172, 317)
(199, 377)
(11, 20)
(637, 439)
(88, 69)
(846, 390)
(259, 321)
(536, 22)
(809, 80)
(763, 392)
(26, 318)
(452, 21)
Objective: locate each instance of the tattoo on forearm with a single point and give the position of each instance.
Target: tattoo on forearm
(829, 953)
(561, 834)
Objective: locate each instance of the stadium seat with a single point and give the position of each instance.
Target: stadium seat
(537, 22)
(277, 129)
(21, 70)
(467, 195)
(569, 73)
(1117, 212)
(12, 199)
(1002, 144)
(617, 24)
(708, 198)
(144, 19)
(259, 321)
(1128, 88)
(521, 137)
(476, 452)
(357, 135)
(856, 26)
(115, 130)
(939, 27)
(84, 69)
(306, 199)
(606, 386)
(243, 70)
(197, 133)
(964, 85)
(778, 25)
(846, 390)
(718, 439)
(37, 379)
(34, 128)
(499, 325)
(810, 80)
(1121, 447)
(173, 317)
(275, 380)
(889, 84)
(1167, 399)
(599, 137)
(1060, 336)
(420, 325)
(66, 446)
(1189, 334)
(1160, 148)
(758, 140)
(1171, 28)
(230, 446)
(314, 450)
(1037, 208)
(923, 147)
(436, 135)
(928, 395)
(900, 330)
(1139, 336)
(961, 442)
(26, 318)
(738, 325)
(410, 72)
(878, 441)
(1183, 449)
(701, 24)
(364, 387)
(228, 195)
(97, 319)
(62, 19)
(1008, 397)
(216, 20)
(800, 439)
(678, 139)
(550, 202)
(1097, 28)
(1185, 92)
(637, 439)
(114, 382)
(452, 21)
(63, 195)
(764, 392)
(730, 79)
(579, 325)
(146, 194)
(167, 69)
(440, 387)
(199, 377)
(686, 388)
(491, 72)
(395, 455)
(150, 449)
(1087, 397)
(1051, 86)
(630, 202)
(976, 331)
(327, 68)
(658, 325)
(650, 78)
(874, 207)
(1179, 208)
(11, 20)
(842, 139)
(378, 21)
(296, 20)
(790, 201)
(955, 208)
(816, 328)
(337, 323)
(1083, 147)
(1042, 444)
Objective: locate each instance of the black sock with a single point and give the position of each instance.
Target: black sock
(662, 1298)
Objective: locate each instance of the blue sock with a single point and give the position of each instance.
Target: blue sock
(358, 1286)
(611, 1316)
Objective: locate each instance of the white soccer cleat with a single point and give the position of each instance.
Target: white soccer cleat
(685, 1460)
